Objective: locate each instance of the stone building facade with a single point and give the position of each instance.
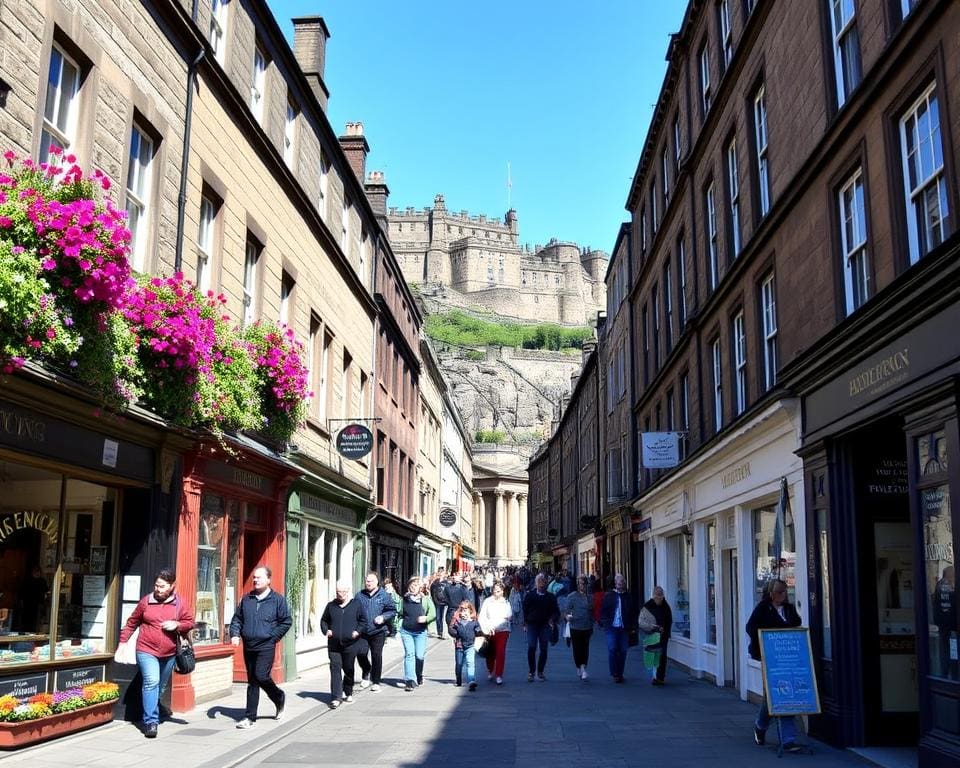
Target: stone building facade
(476, 261)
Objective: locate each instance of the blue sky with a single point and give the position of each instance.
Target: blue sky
(450, 92)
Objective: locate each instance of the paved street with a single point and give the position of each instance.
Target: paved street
(567, 722)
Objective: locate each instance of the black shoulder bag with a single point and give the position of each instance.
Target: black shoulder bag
(185, 662)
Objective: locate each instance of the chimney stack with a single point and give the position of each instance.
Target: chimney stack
(355, 147)
(310, 35)
(377, 194)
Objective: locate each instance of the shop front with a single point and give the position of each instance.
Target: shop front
(324, 546)
(81, 516)
(616, 552)
(232, 521)
(881, 458)
(392, 551)
(430, 554)
(587, 555)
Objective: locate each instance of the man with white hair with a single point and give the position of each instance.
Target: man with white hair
(343, 622)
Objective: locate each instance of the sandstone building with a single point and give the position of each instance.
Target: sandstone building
(476, 261)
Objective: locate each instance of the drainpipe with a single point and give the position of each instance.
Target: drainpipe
(185, 160)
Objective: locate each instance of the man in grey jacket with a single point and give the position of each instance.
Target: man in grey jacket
(379, 611)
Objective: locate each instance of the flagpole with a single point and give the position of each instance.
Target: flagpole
(509, 188)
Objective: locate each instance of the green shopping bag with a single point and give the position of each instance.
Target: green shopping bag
(651, 650)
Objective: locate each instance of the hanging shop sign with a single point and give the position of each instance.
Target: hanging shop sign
(448, 517)
(354, 441)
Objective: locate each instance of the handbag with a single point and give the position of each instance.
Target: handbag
(554, 635)
(633, 638)
(126, 652)
(483, 646)
(647, 621)
(185, 661)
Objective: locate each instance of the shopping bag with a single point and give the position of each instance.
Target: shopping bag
(126, 653)
(651, 650)
(647, 621)
(483, 646)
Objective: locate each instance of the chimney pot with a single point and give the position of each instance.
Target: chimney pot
(355, 147)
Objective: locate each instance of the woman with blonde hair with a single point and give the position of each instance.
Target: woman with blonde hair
(496, 615)
(416, 612)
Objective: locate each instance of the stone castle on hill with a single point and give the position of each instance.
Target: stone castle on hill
(473, 261)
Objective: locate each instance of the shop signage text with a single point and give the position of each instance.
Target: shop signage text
(786, 660)
(23, 687)
(18, 521)
(448, 517)
(248, 479)
(660, 450)
(882, 375)
(327, 511)
(735, 475)
(21, 425)
(889, 478)
(354, 441)
(65, 679)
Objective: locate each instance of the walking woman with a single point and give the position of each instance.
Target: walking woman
(464, 629)
(496, 615)
(416, 613)
(162, 617)
(580, 619)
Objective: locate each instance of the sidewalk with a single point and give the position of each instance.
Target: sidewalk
(184, 739)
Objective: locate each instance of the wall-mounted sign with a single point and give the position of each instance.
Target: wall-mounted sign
(661, 450)
(23, 687)
(65, 679)
(354, 441)
(448, 517)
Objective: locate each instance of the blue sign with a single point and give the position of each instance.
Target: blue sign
(789, 681)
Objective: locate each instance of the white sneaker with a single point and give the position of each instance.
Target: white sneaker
(364, 683)
(335, 703)
(579, 671)
(246, 723)
(347, 699)
(499, 681)
(584, 676)
(375, 688)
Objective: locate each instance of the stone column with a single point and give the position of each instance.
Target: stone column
(523, 523)
(513, 529)
(500, 550)
(480, 524)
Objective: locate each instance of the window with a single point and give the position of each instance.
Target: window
(760, 136)
(345, 225)
(907, 6)
(706, 98)
(328, 556)
(677, 146)
(364, 255)
(671, 422)
(923, 177)
(643, 231)
(218, 29)
(768, 308)
(622, 371)
(646, 345)
(684, 413)
(712, 255)
(853, 242)
(206, 239)
(769, 564)
(711, 583)
(678, 577)
(321, 343)
(287, 286)
(655, 306)
(62, 104)
(740, 364)
(324, 183)
(250, 267)
(611, 385)
(717, 387)
(666, 179)
(290, 134)
(726, 32)
(138, 195)
(57, 552)
(257, 87)
(667, 307)
(681, 282)
(846, 47)
(653, 207)
(733, 189)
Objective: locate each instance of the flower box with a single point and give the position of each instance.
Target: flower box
(20, 734)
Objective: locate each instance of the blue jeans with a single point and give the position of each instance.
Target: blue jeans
(156, 674)
(537, 634)
(441, 618)
(617, 646)
(788, 731)
(466, 660)
(414, 649)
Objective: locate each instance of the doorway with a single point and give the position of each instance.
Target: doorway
(254, 550)
(731, 619)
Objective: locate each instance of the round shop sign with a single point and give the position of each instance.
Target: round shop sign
(354, 441)
(448, 517)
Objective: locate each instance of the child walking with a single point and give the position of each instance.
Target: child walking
(464, 629)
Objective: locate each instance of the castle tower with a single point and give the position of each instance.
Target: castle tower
(436, 266)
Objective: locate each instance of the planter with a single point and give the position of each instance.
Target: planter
(14, 735)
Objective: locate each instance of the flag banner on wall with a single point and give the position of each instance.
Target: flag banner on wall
(661, 450)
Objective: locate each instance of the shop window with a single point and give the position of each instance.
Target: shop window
(711, 584)
(55, 565)
(768, 564)
(678, 563)
(209, 556)
(939, 563)
(824, 545)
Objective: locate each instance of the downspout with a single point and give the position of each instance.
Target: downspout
(185, 159)
(373, 395)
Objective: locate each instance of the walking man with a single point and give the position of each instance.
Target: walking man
(260, 621)
(438, 593)
(343, 622)
(379, 611)
(618, 616)
(540, 615)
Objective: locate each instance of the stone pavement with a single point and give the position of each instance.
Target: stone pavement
(598, 724)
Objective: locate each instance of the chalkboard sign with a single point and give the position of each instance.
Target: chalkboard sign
(23, 686)
(65, 679)
(789, 682)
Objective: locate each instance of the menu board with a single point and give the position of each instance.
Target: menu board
(789, 681)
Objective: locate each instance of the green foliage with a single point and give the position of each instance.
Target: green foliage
(459, 328)
(490, 436)
(474, 354)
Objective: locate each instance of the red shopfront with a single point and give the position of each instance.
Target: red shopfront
(231, 522)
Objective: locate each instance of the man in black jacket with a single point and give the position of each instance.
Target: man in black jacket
(260, 621)
(438, 593)
(343, 622)
(618, 617)
(660, 608)
(379, 611)
(540, 615)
